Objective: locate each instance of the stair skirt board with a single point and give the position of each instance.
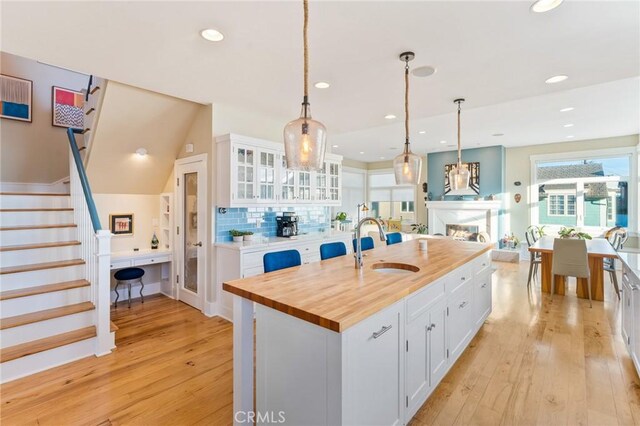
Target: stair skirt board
(41, 361)
(47, 328)
(36, 217)
(36, 236)
(34, 201)
(41, 302)
(39, 255)
(42, 277)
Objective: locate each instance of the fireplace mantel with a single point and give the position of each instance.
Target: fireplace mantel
(482, 213)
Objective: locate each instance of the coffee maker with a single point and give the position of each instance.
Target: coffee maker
(287, 225)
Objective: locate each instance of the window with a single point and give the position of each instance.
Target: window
(590, 192)
(561, 205)
(391, 201)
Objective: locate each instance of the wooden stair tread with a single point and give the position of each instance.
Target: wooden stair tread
(38, 194)
(27, 227)
(39, 266)
(113, 327)
(42, 289)
(39, 209)
(40, 245)
(44, 315)
(40, 345)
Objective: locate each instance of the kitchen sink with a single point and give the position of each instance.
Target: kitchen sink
(394, 268)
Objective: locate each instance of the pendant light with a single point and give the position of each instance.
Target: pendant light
(459, 174)
(305, 138)
(407, 165)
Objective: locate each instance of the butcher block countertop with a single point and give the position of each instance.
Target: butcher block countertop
(335, 295)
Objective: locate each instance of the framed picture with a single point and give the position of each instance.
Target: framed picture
(121, 224)
(16, 98)
(67, 108)
(474, 179)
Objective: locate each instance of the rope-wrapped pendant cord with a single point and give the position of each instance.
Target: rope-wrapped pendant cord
(306, 53)
(459, 146)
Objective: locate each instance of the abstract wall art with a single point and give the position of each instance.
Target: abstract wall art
(67, 108)
(16, 98)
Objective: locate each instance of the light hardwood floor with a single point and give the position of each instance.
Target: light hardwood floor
(554, 363)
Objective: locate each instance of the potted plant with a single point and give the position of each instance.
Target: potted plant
(236, 235)
(248, 235)
(341, 216)
(419, 228)
(572, 233)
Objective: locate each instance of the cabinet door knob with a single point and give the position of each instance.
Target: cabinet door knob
(432, 327)
(463, 304)
(462, 278)
(483, 285)
(383, 330)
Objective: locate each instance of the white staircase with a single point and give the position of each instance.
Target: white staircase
(46, 313)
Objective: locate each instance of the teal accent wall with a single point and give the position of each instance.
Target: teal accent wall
(492, 170)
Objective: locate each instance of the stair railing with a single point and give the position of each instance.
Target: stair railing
(95, 245)
(94, 96)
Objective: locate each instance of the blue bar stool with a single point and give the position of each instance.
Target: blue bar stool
(366, 243)
(394, 238)
(330, 250)
(281, 260)
(128, 276)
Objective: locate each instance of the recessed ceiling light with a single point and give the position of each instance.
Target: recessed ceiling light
(567, 109)
(498, 134)
(361, 152)
(556, 79)
(443, 141)
(141, 152)
(212, 35)
(422, 132)
(389, 116)
(335, 146)
(424, 71)
(568, 125)
(570, 137)
(322, 85)
(541, 6)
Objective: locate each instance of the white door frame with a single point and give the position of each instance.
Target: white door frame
(196, 163)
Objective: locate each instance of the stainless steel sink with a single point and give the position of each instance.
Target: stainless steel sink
(394, 268)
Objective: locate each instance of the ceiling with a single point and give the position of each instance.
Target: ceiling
(495, 54)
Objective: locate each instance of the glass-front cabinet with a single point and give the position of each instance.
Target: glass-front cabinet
(253, 171)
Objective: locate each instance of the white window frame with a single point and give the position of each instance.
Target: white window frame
(633, 187)
(565, 204)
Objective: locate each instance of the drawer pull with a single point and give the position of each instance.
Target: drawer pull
(383, 330)
(483, 285)
(463, 304)
(432, 326)
(484, 264)
(463, 278)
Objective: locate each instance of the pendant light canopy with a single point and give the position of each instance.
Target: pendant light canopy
(459, 174)
(305, 138)
(407, 165)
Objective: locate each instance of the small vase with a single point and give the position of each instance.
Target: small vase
(154, 242)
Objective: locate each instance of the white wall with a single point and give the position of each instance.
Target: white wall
(36, 152)
(518, 164)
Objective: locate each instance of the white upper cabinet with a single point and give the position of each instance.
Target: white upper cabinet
(252, 172)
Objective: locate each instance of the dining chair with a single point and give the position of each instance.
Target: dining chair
(281, 260)
(331, 250)
(394, 238)
(570, 259)
(610, 262)
(366, 243)
(535, 258)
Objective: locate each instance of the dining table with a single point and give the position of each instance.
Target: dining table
(598, 249)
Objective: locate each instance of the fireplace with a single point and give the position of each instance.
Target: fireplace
(463, 232)
(481, 214)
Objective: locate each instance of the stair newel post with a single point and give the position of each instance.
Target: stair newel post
(103, 293)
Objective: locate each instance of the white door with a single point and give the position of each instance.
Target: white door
(191, 229)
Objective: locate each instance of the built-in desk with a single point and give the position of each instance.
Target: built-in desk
(157, 280)
(125, 259)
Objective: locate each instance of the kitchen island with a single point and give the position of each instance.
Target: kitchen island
(337, 345)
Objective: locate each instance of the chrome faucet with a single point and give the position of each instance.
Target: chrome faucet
(358, 253)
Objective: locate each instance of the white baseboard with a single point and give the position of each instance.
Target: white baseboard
(210, 309)
(225, 312)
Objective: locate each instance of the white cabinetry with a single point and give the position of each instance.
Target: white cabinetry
(630, 309)
(627, 312)
(252, 172)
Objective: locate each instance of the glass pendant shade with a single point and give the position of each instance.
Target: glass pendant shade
(407, 167)
(459, 177)
(304, 143)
